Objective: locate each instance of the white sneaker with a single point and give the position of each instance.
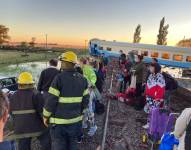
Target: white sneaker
(92, 131)
(146, 126)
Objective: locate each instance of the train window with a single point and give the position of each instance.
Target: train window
(108, 48)
(188, 58)
(100, 48)
(154, 54)
(165, 55)
(144, 53)
(177, 57)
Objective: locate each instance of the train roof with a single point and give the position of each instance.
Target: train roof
(143, 46)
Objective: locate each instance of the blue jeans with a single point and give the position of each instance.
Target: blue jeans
(65, 137)
(7, 145)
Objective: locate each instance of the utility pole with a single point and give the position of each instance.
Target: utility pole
(46, 41)
(85, 44)
(46, 46)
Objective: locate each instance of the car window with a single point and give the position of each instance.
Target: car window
(6, 82)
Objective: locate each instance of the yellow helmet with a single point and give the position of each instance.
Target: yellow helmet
(69, 57)
(25, 78)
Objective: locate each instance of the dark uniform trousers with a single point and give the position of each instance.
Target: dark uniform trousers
(64, 137)
(44, 139)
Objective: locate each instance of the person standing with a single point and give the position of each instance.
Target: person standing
(182, 129)
(4, 106)
(67, 95)
(90, 75)
(47, 76)
(155, 90)
(26, 107)
(140, 73)
(45, 80)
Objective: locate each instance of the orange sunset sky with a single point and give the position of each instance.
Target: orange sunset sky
(71, 22)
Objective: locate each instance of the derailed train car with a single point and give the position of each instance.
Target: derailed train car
(166, 55)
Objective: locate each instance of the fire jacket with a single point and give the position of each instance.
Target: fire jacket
(26, 107)
(68, 94)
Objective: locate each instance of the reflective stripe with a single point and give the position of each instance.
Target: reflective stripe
(21, 112)
(21, 136)
(54, 91)
(46, 113)
(86, 92)
(70, 99)
(65, 121)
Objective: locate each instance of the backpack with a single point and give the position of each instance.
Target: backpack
(188, 137)
(158, 121)
(171, 83)
(168, 142)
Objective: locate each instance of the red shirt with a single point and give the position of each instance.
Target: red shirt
(155, 86)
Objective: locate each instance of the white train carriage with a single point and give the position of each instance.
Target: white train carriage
(166, 55)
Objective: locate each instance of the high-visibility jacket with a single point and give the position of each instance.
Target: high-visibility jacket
(68, 94)
(89, 74)
(26, 107)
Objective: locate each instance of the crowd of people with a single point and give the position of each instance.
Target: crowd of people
(59, 109)
(66, 100)
(146, 87)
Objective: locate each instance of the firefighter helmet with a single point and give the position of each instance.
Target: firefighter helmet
(25, 78)
(69, 57)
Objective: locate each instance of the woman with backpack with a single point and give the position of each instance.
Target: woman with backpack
(183, 130)
(155, 90)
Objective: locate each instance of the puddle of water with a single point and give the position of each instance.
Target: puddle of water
(33, 67)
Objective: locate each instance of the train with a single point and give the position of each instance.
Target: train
(166, 55)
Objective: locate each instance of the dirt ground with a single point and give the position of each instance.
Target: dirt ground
(125, 130)
(125, 123)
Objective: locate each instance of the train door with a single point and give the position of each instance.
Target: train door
(93, 49)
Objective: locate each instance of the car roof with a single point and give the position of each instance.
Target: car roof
(4, 77)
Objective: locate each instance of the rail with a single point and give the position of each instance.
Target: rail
(107, 116)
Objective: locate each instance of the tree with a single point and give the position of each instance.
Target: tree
(137, 33)
(24, 46)
(4, 34)
(184, 43)
(32, 43)
(163, 32)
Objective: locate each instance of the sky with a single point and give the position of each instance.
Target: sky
(74, 21)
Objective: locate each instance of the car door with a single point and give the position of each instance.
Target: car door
(9, 83)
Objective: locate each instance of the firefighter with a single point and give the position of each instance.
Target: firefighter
(26, 107)
(90, 75)
(68, 96)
